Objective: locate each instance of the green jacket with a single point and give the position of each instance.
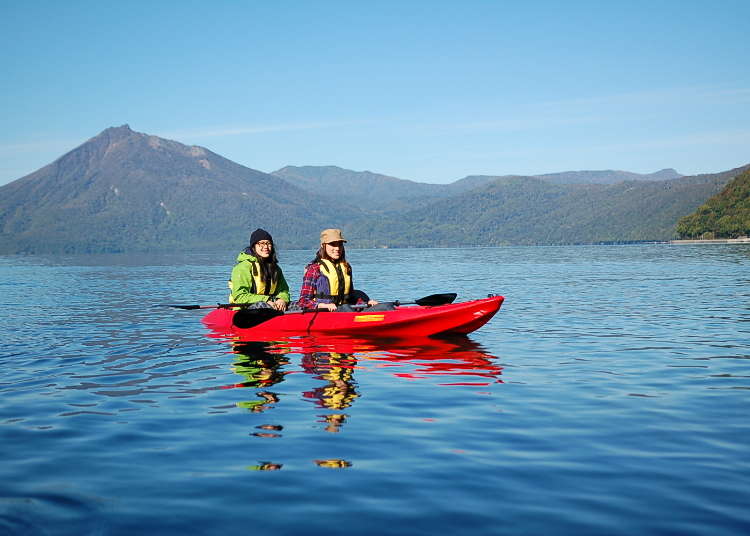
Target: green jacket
(242, 283)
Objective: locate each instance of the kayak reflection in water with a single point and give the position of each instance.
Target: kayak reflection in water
(260, 368)
(328, 283)
(459, 360)
(339, 392)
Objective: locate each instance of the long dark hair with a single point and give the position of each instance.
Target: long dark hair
(268, 267)
(321, 254)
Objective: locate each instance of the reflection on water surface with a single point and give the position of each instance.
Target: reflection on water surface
(335, 363)
(609, 396)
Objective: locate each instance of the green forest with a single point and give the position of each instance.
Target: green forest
(725, 215)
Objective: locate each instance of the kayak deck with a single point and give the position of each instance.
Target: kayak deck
(411, 321)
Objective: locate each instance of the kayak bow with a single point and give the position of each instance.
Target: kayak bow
(403, 321)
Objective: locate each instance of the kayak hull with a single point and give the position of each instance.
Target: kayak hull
(404, 321)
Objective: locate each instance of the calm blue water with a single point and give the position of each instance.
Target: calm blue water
(610, 395)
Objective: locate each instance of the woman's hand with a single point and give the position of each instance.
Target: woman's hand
(328, 306)
(278, 304)
(372, 302)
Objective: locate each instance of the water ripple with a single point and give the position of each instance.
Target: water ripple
(609, 395)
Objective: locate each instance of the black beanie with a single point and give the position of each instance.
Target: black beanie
(258, 235)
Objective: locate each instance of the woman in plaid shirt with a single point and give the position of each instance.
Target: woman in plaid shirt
(327, 283)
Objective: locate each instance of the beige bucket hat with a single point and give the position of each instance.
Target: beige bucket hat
(331, 235)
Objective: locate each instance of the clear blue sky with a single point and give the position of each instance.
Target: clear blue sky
(423, 90)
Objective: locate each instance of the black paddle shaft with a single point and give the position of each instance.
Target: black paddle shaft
(432, 299)
(217, 306)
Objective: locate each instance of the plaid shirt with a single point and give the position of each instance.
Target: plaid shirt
(309, 288)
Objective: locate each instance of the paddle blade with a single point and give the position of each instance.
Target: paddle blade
(437, 299)
(249, 318)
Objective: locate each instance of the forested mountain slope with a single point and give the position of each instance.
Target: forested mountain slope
(526, 210)
(725, 215)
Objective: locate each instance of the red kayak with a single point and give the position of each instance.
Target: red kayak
(403, 321)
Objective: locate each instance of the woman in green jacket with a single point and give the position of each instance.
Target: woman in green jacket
(257, 278)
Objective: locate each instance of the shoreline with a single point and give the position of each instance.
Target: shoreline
(744, 240)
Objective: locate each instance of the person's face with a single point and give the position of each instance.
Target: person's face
(334, 249)
(263, 249)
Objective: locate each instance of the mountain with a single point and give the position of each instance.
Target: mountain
(125, 191)
(367, 190)
(529, 210)
(607, 176)
(725, 215)
(373, 192)
(128, 191)
(474, 181)
(365, 185)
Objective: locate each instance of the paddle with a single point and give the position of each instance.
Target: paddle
(244, 318)
(431, 300)
(426, 301)
(249, 318)
(217, 306)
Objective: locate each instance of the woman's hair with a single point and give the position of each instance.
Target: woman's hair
(268, 266)
(321, 254)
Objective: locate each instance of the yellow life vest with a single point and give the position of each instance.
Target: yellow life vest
(339, 280)
(259, 287)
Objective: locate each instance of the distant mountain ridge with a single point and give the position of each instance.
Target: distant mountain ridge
(369, 191)
(607, 176)
(531, 211)
(385, 193)
(125, 191)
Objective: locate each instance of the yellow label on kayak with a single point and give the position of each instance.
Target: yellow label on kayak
(369, 318)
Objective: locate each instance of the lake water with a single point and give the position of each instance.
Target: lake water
(610, 395)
